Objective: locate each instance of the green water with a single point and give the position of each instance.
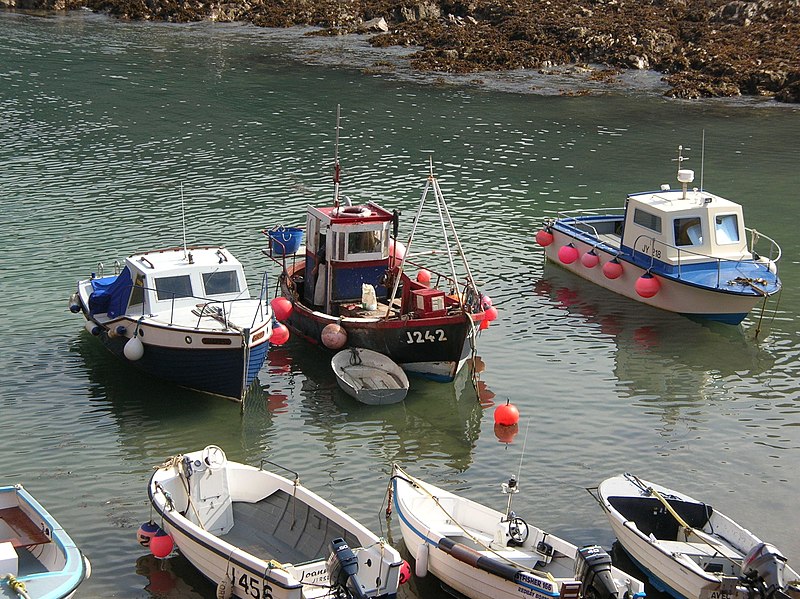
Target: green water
(102, 121)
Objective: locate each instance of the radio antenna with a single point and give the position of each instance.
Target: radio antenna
(183, 224)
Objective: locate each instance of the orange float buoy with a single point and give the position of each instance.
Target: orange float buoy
(281, 308)
(544, 238)
(590, 259)
(568, 254)
(612, 269)
(506, 414)
(423, 276)
(491, 313)
(647, 285)
(280, 334)
(484, 324)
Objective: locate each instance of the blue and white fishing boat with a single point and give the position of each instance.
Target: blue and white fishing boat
(681, 250)
(184, 315)
(37, 557)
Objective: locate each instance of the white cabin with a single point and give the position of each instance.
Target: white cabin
(680, 226)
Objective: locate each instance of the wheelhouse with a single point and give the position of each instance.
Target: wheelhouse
(346, 247)
(158, 282)
(678, 227)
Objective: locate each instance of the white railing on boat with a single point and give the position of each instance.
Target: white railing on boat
(757, 259)
(208, 307)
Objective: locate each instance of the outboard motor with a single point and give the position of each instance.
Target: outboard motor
(762, 569)
(342, 569)
(593, 569)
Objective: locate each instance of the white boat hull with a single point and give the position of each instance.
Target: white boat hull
(261, 534)
(469, 547)
(673, 296)
(705, 564)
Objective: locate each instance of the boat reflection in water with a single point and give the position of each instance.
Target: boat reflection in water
(435, 421)
(659, 357)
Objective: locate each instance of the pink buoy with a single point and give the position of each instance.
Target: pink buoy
(647, 285)
(612, 269)
(423, 276)
(161, 544)
(486, 301)
(590, 259)
(405, 573)
(568, 254)
(334, 336)
(491, 313)
(506, 414)
(397, 249)
(146, 532)
(281, 308)
(280, 334)
(544, 238)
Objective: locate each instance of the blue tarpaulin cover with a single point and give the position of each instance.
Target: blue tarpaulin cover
(111, 294)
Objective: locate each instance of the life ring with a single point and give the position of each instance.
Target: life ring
(353, 211)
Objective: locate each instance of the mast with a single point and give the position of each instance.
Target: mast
(336, 168)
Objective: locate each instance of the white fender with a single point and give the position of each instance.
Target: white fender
(421, 560)
(134, 349)
(225, 588)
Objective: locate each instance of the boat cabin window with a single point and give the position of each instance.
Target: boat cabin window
(688, 231)
(137, 294)
(726, 228)
(647, 220)
(364, 242)
(168, 288)
(216, 283)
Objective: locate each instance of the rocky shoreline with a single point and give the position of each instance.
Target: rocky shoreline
(703, 48)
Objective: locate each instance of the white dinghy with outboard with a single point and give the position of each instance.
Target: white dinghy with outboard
(258, 534)
(484, 554)
(690, 550)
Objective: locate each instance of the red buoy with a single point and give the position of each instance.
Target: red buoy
(506, 414)
(161, 544)
(568, 254)
(491, 313)
(405, 573)
(484, 324)
(612, 269)
(280, 334)
(423, 276)
(590, 259)
(647, 285)
(281, 308)
(544, 238)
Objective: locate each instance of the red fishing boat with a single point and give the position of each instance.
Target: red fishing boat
(350, 286)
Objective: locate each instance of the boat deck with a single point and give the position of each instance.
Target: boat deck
(285, 530)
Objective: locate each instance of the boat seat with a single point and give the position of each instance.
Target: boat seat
(699, 549)
(18, 529)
